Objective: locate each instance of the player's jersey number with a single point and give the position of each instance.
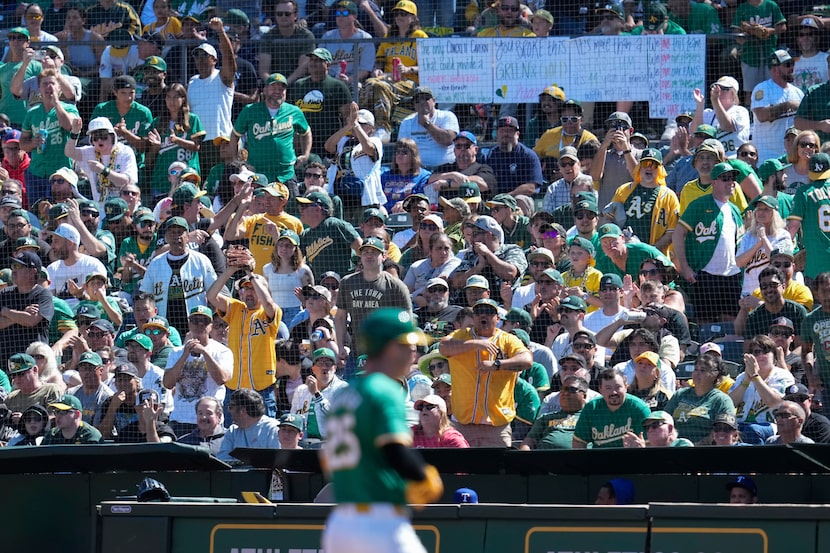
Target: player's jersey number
(342, 448)
(824, 218)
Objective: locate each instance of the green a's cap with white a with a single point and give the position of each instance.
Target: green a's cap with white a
(388, 325)
(323, 353)
(609, 230)
(276, 78)
(373, 242)
(20, 363)
(19, 31)
(321, 53)
(652, 154)
(552, 274)
(67, 402)
(289, 235)
(707, 130)
(292, 420)
(201, 310)
(769, 201)
(142, 340)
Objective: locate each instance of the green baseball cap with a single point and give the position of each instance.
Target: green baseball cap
(503, 199)
(20, 363)
(574, 303)
(292, 420)
(156, 63)
(552, 274)
(321, 53)
(322, 353)
(67, 402)
(652, 154)
(585, 244)
(202, 310)
(176, 222)
(316, 198)
(289, 235)
(770, 167)
(91, 358)
(707, 130)
(374, 212)
(19, 31)
(373, 242)
(721, 168)
(610, 230)
(516, 315)
(388, 325)
(142, 340)
(276, 78)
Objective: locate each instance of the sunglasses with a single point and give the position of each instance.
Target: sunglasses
(97, 335)
(146, 224)
(655, 424)
(284, 14)
(33, 418)
(99, 135)
(484, 311)
(331, 286)
(766, 285)
(437, 365)
(781, 333)
(572, 389)
(57, 180)
(542, 264)
(436, 290)
(582, 345)
(313, 175)
(649, 164)
(567, 163)
(201, 321)
(35, 16)
(585, 215)
(570, 119)
(174, 172)
(811, 145)
(428, 226)
(463, 146)
(727, 178)
(89, 212)
(782, 264)
(151, 332)
(342, 13)
(428, 407)
(650, 272)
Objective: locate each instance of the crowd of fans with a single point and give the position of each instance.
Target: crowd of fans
(190, 244)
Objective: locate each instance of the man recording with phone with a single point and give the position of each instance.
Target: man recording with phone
(254, 320)
(616, 159)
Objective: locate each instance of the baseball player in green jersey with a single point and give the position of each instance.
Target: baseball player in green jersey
(373, 470)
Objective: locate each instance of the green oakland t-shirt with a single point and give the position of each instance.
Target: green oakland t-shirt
(554, 430)
(327, 247)
(52, 158)
(364, 417)
(169, 152)
(756, 52)
(815, 329)
(15, 109)
(693, 415)
(271, 138)
(601, 427)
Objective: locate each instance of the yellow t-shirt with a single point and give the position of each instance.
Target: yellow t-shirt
(484, 397)
(589, 281)
(259, 241)
(406, 51)
(795, 291)
(552, 141)
(169, 30)
(693, 191)
(251, 338)
(499, 31)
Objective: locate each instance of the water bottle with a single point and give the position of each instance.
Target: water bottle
(44, 134)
